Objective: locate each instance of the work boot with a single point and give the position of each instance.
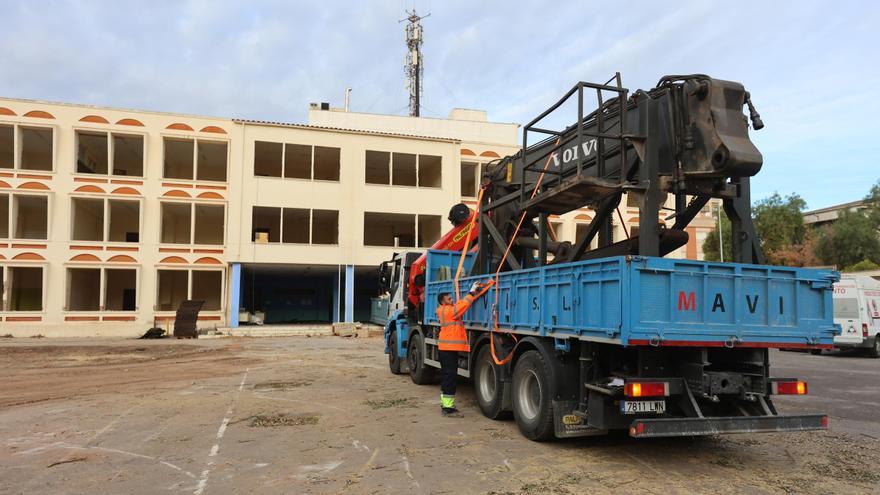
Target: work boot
(451, 412)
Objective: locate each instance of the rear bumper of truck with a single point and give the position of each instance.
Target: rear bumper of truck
(683, 427)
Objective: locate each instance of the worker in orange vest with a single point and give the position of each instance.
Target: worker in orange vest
(453, 339)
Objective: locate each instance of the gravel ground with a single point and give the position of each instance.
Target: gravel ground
(324, 415)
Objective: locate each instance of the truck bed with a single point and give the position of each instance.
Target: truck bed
(640, 301)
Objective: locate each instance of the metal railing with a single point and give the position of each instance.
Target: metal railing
(565, 136)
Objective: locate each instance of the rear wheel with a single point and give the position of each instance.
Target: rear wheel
(419, 372)
(816, 352)
(393, 359)
(488, 386)
(875, 350)
(532, 406)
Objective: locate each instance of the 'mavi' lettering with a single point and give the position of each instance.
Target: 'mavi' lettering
(687, 303)
(753, 305)
(718, 303)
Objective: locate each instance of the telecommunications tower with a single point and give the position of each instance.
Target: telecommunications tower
(413, 64)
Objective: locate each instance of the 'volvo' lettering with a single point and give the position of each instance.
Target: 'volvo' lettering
(570, 154)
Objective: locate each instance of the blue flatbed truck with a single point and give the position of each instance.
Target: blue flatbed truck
(658, 346)
(590, 337)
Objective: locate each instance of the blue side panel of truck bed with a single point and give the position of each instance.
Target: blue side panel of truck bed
(642, 300)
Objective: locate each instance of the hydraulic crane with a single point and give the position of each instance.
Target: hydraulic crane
(618, 337)
(686, 137)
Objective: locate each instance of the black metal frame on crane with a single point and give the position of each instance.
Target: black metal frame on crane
(647, 145)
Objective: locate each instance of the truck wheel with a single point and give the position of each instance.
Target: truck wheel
(532, 407)
(875, 351)
(419, 372)
(816, 352)
(488, 386)
(393, 358)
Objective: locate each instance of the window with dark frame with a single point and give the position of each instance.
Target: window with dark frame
(296, 161)
(191, 158)
(7, 146)
(272, 224)
(403, 169)
(27, 147)
(32, 217)
(176, 286)
(325, 227)
(295, 226)
(37, 148)
(192, 223)
(25, 289)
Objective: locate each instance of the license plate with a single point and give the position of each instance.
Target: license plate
(642, 406)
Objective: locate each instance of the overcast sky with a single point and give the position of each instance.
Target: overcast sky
(812, 67)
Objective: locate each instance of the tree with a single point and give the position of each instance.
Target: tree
(862, 266)
(803, 254)
(850, 239)
(710, 245)
(872, 201)
(779, 224)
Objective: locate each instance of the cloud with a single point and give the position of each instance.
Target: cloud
(809, 65)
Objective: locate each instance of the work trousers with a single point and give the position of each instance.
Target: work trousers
(448, 372)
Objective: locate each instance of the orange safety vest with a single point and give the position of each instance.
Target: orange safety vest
(453, 336)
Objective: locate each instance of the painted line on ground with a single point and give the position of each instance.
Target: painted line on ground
(69, 446)
(113, 423)
(215, 449)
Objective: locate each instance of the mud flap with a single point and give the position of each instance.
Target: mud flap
(567, 424)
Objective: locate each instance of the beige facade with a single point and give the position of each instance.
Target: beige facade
(109, 218)
(828, 215)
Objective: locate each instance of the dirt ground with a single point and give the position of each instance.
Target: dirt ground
(324, 415)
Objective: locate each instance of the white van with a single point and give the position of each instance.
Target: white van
(857, 311)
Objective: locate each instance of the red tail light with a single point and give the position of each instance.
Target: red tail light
(865, 330)
(646, 389)
(790, 388)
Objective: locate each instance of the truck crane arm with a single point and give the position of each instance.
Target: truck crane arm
(462, 219)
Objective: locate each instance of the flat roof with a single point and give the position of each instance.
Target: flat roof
(841, 206)
(235, 120)
(343, 129)
(116, 109)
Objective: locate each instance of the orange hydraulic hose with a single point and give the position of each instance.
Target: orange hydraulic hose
(522, 217)
(467, 243)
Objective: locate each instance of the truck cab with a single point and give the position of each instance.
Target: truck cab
(393, 280)
(857, 311)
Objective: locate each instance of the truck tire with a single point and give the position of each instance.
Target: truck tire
(488, 386)
(393, 359)
(532, 402)
(875, 350)
(419, 372)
